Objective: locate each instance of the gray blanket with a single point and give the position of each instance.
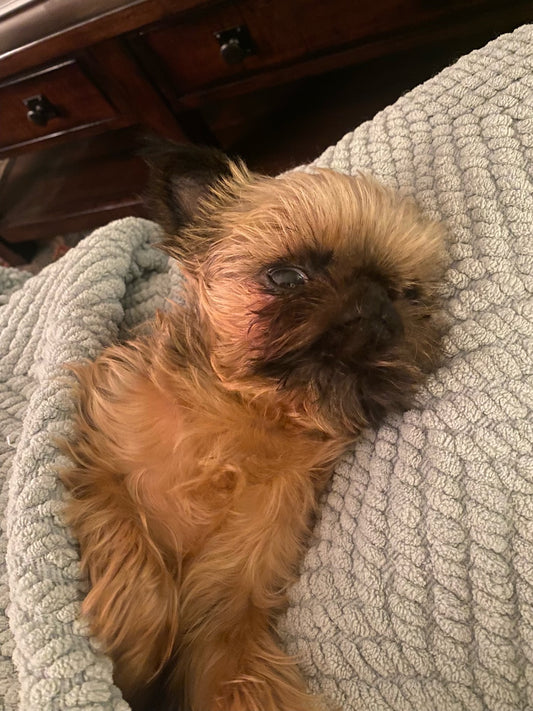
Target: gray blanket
(417, 592)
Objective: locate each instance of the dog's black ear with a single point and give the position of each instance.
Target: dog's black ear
(179, 175)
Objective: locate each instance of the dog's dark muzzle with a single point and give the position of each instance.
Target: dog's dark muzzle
(368, 319)
(365, 326)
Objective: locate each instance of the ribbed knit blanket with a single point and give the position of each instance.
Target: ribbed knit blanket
(417, 591)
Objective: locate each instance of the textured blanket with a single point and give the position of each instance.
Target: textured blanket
(417, 592)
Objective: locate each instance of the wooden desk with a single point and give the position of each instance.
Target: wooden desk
(80, 80)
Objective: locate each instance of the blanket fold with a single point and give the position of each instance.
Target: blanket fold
(417, 591)
(70, 311)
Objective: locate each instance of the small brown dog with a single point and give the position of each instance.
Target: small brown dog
(200, 449)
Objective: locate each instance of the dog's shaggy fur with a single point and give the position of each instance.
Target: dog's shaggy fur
(200, 448)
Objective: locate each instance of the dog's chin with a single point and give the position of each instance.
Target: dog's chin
(365, 396)
(346, 401)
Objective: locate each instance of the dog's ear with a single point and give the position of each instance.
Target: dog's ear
(180, 174)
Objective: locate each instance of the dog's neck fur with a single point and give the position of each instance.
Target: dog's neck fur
(249, 432)
(265, 405)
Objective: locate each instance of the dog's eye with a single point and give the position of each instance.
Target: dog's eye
(287, 277)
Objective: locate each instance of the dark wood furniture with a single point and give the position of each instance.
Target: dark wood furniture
(80, 80)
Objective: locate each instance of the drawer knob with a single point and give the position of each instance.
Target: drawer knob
(40, 110)
(232, 52)
(235, 44)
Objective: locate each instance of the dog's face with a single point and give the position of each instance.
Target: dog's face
(320, 288)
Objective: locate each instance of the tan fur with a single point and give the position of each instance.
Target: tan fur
(195, 477)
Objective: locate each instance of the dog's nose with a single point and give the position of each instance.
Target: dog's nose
(370, 310)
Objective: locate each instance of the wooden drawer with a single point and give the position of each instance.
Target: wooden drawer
(76, 105)
(282, 33)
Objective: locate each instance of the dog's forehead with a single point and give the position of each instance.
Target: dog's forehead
(316, 218)
(347, 223)
(312, 215)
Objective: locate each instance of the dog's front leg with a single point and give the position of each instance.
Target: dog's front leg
(132, 604)
(228, 658)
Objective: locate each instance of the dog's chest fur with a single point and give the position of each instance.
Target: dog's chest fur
(192, 457)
